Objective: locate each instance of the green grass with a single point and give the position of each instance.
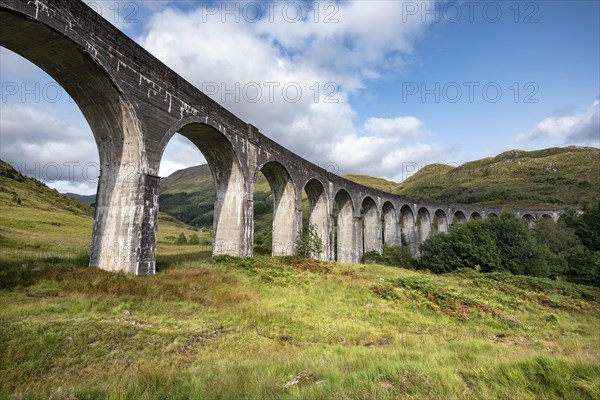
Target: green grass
(243, 328)
(37, 222)
(377, 183)
(228, 328)
(544, 179)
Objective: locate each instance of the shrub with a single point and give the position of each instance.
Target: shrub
(398, 256)
(372, 257)
(194, 239)
(181, 239)
(310, 244)
(261, 250)
(506, 244)
(465, 246)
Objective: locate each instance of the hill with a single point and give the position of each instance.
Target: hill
(37, 222)
(31, 214)
(545, 179)
(263, 327)
(553, 178)
(90, 200)
(377, 183)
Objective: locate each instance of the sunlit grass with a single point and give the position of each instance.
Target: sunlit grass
(243, 328)
(228, 328)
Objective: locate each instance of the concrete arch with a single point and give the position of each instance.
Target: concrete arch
(346, 246)
(408, 228)
(545, 216)
(123, 237)
(319, 215)
(424, 224)
(475, 215)
(231, 214)
(391, 226)
(371, 225)
(492, 215)
(285, 214)
(459, 218)
(529, 219)
(440, 221)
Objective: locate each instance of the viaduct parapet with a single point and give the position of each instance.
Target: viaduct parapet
(134, 104)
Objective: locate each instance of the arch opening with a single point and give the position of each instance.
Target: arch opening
(546, 216)
(285, 213)
(459, 218)
(371, 227)
(424, 224)
(344, 224)
(440, 222)
(475, 215)
(318, 218)
(123, 235)
(214, 197)
(529, 219)
(229, 213)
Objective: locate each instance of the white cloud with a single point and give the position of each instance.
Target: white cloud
(249, 58)
(40, 145)
(389, 148)
(180, 154)
(327, 61)
(581, 128)
(405, 127)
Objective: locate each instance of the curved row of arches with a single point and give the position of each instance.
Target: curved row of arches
(134, 105)
(348, 224)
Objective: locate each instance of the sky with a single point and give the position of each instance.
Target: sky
(378, 88)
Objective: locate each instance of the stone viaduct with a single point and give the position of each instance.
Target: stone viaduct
(134, 104)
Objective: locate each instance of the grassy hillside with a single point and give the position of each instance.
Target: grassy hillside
(38, 223)
(37, 220)
(551, 179)
(377, 183)
(189, 195)
(276, 328)
(230, 329)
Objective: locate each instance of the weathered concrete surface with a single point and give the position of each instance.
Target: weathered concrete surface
(135, 104)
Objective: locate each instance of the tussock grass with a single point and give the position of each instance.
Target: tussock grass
(232, 328)
(242, 328)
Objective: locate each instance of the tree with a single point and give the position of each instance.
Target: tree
(181, 239)
(514, 243)
(470, 245)
(194, 239)
(398, 256)
(310, 244)
(578, 263)
(588, 226)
